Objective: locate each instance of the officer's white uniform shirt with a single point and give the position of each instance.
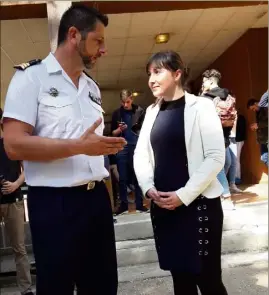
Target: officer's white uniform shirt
(64, 116)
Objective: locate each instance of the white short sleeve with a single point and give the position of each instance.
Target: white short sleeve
(22, 98)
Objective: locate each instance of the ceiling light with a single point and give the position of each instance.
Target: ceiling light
(135, 94)
(162, 38)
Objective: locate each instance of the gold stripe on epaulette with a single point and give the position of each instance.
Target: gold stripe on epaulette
(26, 65)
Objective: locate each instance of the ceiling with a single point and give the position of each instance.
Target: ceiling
(199, 35)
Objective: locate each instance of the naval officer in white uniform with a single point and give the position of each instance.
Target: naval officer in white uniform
(53, 121)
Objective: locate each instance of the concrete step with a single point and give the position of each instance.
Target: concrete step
(138, 226)
(137, 252)
(245, 229)
(234, 241)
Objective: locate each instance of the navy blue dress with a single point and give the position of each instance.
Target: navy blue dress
(168, 143)
(188, 239)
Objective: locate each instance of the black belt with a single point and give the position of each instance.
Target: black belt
(88, 186)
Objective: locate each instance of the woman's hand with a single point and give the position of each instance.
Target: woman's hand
(168, 200)
(153, 194)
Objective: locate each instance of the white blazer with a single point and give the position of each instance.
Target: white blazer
(204, 144)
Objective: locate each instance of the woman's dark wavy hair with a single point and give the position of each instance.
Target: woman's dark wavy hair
(171, 61)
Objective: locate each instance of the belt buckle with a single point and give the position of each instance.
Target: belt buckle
(90, 185)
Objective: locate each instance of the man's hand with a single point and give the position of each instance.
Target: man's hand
(169, 200)
(153, 194)
(254, 126)
(9, 187)
(21, 144)
(122, 126)
(96, 145)
(120, 129)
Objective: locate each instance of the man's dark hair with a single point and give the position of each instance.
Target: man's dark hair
(251, 102)
(81, 17)
(206, 74)
(1, 113)
(215, 74)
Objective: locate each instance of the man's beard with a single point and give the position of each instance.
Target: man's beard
(86, 60)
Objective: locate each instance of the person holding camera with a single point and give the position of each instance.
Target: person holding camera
(127, 122)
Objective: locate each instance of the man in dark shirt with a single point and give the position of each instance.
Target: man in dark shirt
(12, 213)
(127, 122)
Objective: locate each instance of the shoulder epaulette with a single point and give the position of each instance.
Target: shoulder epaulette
(91, 78)
(28, 64)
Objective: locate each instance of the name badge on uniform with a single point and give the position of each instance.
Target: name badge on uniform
(53, 92)
(95, 99)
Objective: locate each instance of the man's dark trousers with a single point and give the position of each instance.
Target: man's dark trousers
(73, 240)
(127, 175)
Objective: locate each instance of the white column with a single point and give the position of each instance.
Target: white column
(55, 11)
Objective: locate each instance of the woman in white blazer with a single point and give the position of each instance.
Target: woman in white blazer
(179, 153)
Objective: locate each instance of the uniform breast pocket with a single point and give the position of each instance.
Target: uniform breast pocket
(54, 113)
(93, 112)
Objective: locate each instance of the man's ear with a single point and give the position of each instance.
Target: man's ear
(74, 35)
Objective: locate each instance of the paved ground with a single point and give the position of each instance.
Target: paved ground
(245, 280)
(242, 280)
